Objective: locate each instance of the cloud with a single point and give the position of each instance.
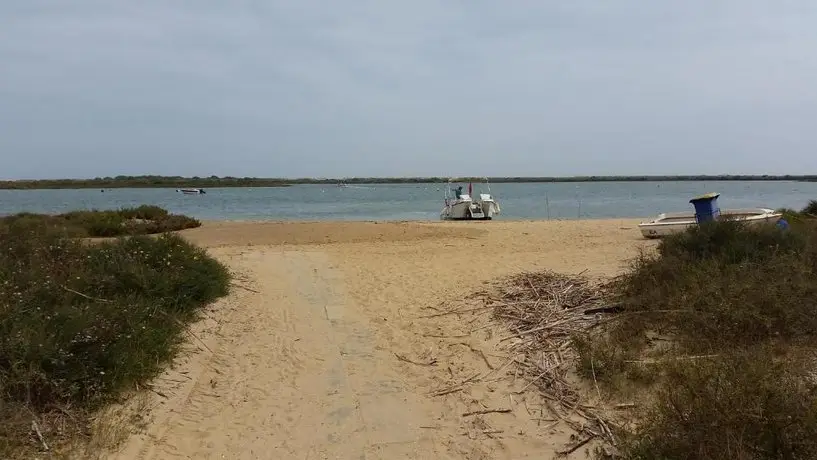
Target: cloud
(274, 88)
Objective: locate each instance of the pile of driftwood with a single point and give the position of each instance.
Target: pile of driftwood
(544, 311)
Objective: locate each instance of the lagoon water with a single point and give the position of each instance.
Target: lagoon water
(587, 200)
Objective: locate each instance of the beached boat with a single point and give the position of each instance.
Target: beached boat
(669, 223)
(460, 206)
(191, 191)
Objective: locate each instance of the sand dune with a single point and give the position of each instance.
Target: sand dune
(325, 348)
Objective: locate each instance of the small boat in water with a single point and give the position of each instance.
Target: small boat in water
(191, 191)
(460, 206)
(669, 223)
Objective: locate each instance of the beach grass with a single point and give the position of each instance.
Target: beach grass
(81, 325)
(141, 220)
(719, 327)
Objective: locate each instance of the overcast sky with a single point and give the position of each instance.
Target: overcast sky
(407, 88)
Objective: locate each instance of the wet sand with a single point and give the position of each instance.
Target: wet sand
(327, 346)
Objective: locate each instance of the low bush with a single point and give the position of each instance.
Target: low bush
(729, 242)
(145, 211)
(811, 208)
(724, 284)
(142, 220)
(735, 308)
(81, 323)
(744, 405)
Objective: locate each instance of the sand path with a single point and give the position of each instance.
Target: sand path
(300, 361)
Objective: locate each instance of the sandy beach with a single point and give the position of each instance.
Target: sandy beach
(328, 346)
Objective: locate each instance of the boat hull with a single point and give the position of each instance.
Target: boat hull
(669, 224)
(462, 206)
(191, 191)
(462, 210)
(490, 208)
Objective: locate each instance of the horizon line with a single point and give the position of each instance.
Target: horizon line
(591, 177)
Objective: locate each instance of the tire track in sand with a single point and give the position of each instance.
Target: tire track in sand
(293, 373)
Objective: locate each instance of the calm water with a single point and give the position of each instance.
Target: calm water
(419, 201)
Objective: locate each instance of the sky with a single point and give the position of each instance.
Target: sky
(312, 88)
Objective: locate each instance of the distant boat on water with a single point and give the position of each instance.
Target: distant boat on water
(191, 191)
(460, 206)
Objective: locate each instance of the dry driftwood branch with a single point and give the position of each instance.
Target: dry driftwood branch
(36, 428)
(576, 446)
(151, 388)
(446, 392)
(544, 311)
(676, 358)
(456, 387)
(477, 351)
(607, 430)
(86, 295)
(456, 311)
(433, 362)
(245, 288)
(440, 336)
(535, 291)
(486, 411)
(595, 382)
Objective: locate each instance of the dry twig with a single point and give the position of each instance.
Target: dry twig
(456, 387)
(457, 311)
(36, 428)
(86, 295)
(486, 411)
(576, 446)
(245, 288)
(433, 362)
(545, 311)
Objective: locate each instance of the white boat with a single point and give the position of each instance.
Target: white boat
(191, 191)
(676, 222)
(460, 206)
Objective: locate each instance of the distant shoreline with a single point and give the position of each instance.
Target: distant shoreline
(236, 182)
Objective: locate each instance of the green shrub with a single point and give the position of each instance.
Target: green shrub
(745, 405)
(142, 220)
(730, 242)
(811, 208)
(145, 211)
(80, 323)
(97, 223)
(723, 284)
(748, 296)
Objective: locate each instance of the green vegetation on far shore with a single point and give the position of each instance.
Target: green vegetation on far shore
(216, 182)
(142, 182)
(82, 325)
(715, 343)
(142, 220)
